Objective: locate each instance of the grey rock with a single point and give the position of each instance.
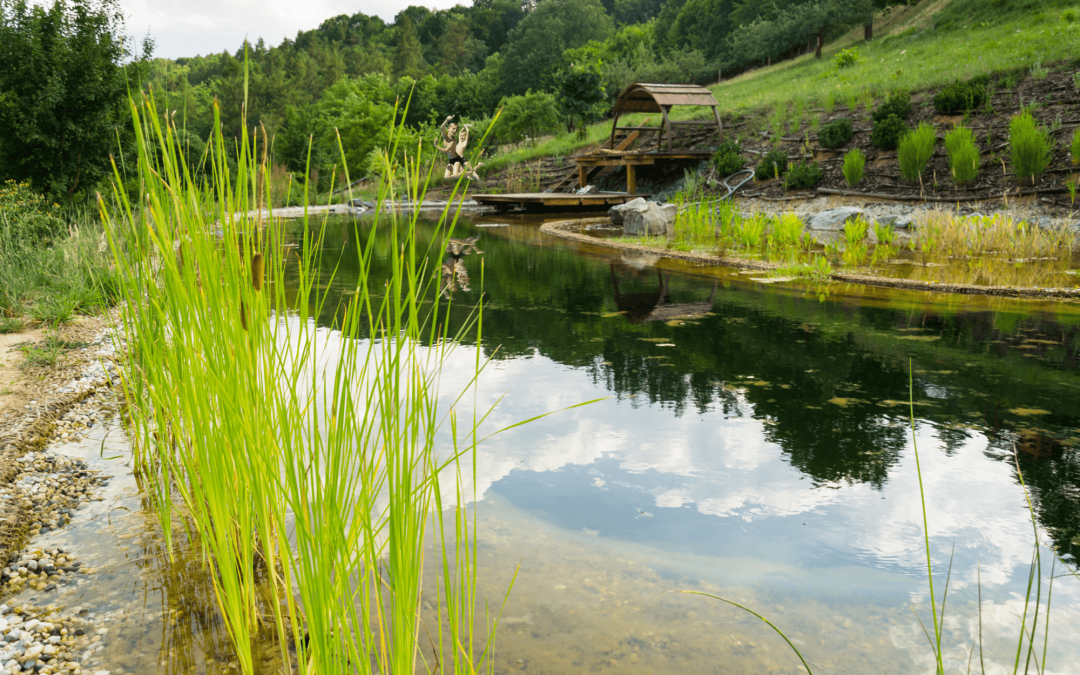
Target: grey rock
(616, 212)
(588, 190)
(649, 219)
(827, 227)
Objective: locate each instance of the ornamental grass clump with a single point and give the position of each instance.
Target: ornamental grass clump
(304, 462)
(854, 162)
(1029, 147)
(963, 154)
(916, 148)
(1074, 148)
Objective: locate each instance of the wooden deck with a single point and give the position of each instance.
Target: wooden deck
(555, 201)
(588, 165)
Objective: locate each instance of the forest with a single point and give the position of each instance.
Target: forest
(548, 65)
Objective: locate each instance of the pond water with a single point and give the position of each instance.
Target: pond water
(753, 441)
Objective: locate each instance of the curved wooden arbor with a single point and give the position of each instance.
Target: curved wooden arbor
(649, 98)
(642, 97)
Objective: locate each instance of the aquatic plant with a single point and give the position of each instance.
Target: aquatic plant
(886, 242)
(953, 235)
(784, 234)
(1029, 147)
(963, 154)
(854, 161)
(303, 462)
(696, 223)
(749, 231)
(855, 246)
(916, 148)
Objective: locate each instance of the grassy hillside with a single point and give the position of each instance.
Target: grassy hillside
(917, 47)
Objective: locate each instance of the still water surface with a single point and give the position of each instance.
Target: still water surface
(753, 441)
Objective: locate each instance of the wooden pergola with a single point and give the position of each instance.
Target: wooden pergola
(650, 98)
(661, 98)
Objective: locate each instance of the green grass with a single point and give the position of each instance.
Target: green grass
(963, 154)
(303, 465)
(916, 148)
(854, 163)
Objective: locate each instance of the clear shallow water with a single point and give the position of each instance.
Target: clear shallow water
(753, 442)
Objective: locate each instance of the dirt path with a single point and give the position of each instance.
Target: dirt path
(16, 386)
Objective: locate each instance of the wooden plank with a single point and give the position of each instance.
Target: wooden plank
(639, 128)
(710, 123)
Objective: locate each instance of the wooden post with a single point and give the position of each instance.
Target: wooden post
(631, 179)
(581, 175)
(667, 123)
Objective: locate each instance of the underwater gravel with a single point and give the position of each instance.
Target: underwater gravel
(50, 487)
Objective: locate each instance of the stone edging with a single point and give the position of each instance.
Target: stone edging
(559, 229)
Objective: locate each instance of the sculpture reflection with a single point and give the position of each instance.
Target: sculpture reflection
(453, 274)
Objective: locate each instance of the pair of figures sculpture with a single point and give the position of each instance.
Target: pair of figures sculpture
(453, 145)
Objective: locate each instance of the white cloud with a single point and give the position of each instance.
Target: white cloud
(195, 27)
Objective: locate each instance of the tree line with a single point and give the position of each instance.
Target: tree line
(548, 64)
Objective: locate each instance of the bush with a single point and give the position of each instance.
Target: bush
(898, 103)
(854, 162)
(528, 117)
(1075, 149)
(835, 133)
(773, 165)
(727, 159)
(802, 176)
(916, 148)
(963, 154)
(886, 133)
(847, 58)
(26, 218)
(961, 96)
(1029, 147)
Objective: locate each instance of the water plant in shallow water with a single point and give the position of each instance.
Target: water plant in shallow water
(784, 233)
(886, 242)
(304, 462)
(855, 246)
(749, 231)
(957, 236)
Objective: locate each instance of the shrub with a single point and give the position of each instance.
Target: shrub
(854, 162)
(898, 103)
(916, 148)
(1069, 15)
(961, 96)
(963, 154)
(1029, 147)
(802, 176)
(26, 218)
(886, 133)
(727, 159)
(847, 58)
(1075, 149)
(835, 133)
(772, 165)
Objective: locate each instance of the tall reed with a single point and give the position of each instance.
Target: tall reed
(304, 462)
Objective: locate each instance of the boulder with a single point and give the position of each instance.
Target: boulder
(616, 212)
(828, 226)
(648, 219)
(588, 190)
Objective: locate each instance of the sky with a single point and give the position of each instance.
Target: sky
(193, 27)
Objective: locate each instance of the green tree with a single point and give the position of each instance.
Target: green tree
(535, 48)
(62, 92)
(529, 116)
(581, 94)
(409, 55)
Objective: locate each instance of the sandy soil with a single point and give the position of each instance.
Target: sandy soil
(19, 385)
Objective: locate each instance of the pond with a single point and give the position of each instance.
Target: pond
(752, 441)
